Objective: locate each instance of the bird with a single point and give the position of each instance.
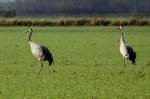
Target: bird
(127, 52)
(41, 52)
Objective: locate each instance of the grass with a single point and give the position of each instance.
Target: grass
(87, 65)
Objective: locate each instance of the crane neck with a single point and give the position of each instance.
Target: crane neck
(30, 36)
(122, 37)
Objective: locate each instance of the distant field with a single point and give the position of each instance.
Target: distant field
(87, 64)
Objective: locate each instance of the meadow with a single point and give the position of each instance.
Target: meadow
(87, 64)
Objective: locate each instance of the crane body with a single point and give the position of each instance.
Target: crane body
(39, 51)
(126, 51)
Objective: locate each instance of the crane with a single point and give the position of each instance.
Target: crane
(39, 51)
(126, 51)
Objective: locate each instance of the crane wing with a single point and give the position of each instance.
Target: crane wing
(131, 53)
(47, 55)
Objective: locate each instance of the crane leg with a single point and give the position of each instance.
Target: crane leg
(124, 62)
(41, 68)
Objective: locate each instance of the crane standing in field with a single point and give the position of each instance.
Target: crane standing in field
(126, 51)
(39, 51)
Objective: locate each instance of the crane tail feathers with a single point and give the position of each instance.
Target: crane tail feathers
(48, 55)
(50, 60)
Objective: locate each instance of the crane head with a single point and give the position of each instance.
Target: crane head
(29, 30)
(120, 27)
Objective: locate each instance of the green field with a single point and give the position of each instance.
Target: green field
(87, 65)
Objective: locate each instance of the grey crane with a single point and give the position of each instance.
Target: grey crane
(39, 51)
(126, 51)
